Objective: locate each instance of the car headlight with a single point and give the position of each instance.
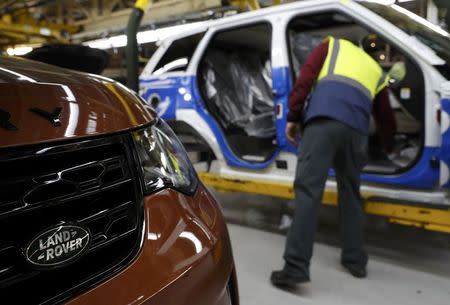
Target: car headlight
(163, 160)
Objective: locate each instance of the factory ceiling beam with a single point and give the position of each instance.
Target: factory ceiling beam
(20, 26)
(157, 11)
(245, 4)
(6, 4)
(252, 4)
(58, 18)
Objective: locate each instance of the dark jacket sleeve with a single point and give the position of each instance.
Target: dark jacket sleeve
(305, 82)
(385, 120)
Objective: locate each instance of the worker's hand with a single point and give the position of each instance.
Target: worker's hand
(292, 131)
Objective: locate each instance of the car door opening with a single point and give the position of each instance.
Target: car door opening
(235, 82)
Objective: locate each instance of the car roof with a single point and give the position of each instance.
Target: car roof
(419, 48)
(255, 14)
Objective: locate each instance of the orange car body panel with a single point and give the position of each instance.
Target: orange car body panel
(91, 105)
(185, 255)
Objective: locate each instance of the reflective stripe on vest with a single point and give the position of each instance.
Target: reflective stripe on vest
(349, 64)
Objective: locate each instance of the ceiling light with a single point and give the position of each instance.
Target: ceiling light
(18, 51)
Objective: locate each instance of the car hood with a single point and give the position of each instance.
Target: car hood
(41, 103)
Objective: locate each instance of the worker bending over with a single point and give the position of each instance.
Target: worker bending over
(339, 87)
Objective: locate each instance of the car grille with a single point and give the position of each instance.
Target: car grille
(91, 184)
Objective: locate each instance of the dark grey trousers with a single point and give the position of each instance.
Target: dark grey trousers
(327, 143)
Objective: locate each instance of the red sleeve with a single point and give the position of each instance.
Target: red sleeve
(308, 76)
(385, 120)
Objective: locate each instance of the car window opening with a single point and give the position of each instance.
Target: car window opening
(433, 36)
(178, 55)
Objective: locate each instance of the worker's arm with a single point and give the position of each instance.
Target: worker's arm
(385, 120)
(303, 86)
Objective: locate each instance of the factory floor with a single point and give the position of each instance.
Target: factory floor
(407, 265)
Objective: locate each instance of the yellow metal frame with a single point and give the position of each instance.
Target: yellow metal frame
(24, 29)
(246, 4)
(250, 4)
(406, 214)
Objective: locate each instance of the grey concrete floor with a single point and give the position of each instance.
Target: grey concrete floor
(407, 265)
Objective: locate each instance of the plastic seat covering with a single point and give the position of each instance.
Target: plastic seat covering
(237, 86)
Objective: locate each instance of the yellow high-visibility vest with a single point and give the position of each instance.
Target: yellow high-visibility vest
(349, 64)
(346, 86)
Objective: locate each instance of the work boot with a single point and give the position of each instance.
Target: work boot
(355, 270)
(281, 278)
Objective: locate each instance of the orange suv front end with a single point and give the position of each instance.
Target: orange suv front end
(99, 203)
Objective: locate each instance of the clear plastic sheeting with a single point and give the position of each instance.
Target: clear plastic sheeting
(237, 87)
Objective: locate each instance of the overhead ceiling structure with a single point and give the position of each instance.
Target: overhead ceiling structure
(164, 11)
(116, 19)
(21, 22)
(253, 4)
(48, 21)
(35, 22)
